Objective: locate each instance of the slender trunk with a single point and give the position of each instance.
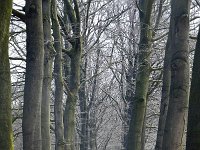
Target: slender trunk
(84, 135)
(92, 127)
(128, 110)
(92, 108)
(6, 135)
(58, 105)
(83, 111)
(130, 91)
(193, 129)
(164, 98)
(135, 134)
(179, 87)
(48, 58)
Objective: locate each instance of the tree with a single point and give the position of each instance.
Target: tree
(179, 86)
(73, 88)
(135, 133)
(31, 124)
(58, 104)
(6, 134)
(164, 97)
(116, 48)
(193, 132)
(46, 89)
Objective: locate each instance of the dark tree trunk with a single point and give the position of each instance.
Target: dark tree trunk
(165, 97)
(193, 129)
(58, 104)
(31, 124)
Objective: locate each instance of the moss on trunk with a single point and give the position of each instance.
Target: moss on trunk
(136, 128)
(6, 135)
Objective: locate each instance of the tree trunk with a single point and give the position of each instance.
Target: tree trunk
(46, 89)
(179, 88)
(92, 107)
(165, 97)
(75, 55)
(93, 128)
(135, 134)
(58, 105)
(83, 110)
(31, 124)
(130, 76)
(193, 129)
(6, 135)
(69, 116)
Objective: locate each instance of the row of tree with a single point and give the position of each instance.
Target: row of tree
(89, 69)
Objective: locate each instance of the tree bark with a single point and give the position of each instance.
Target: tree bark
(165, 97)
(75, 55)
(179, 88)
(93, 107)
(130, 74)
(193, 129)
(69, 116)
(83, 110)
(6, 135)
(46, 89)
(58, 105)
(135, 133)
(31, 124)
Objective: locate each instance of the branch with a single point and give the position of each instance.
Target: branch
(16, 58)
(193, 37)
(137, 5)
(63, 27)
(76, 9)
(18, 14)
(68, 52)
(87, 15)
(198, 3)
(109, 21)
(71, 15)
(160, 37)
(67, 88)
(159, 15)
